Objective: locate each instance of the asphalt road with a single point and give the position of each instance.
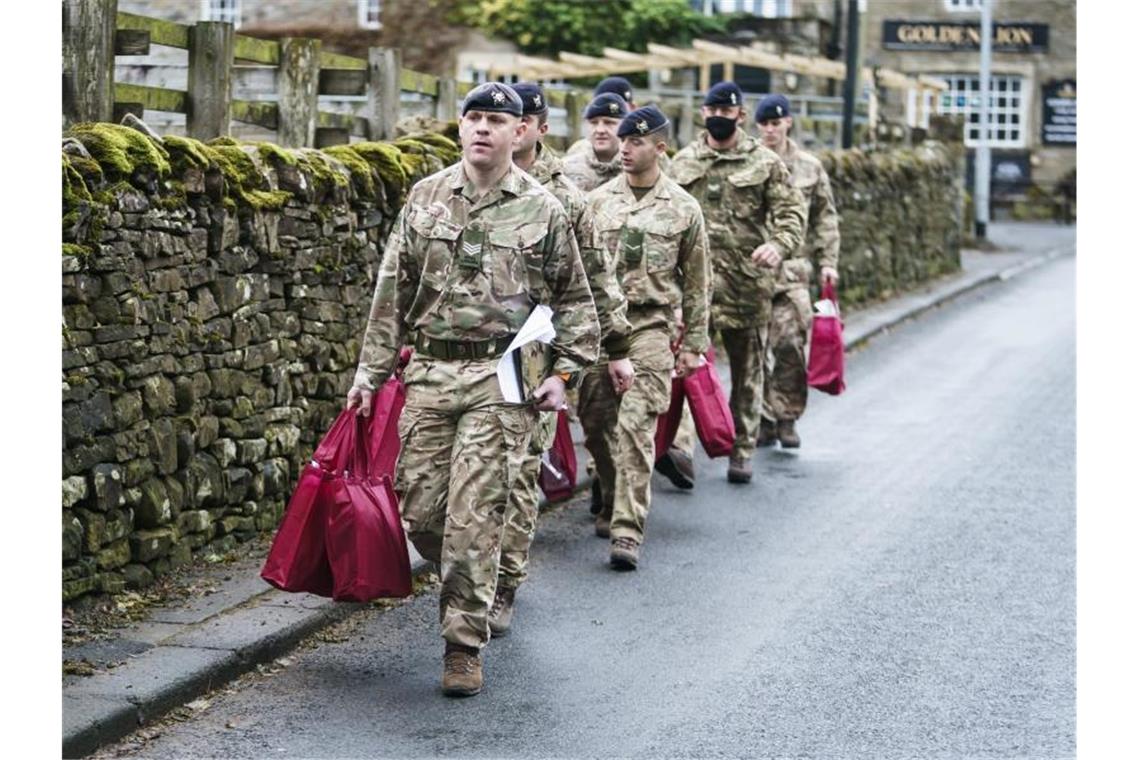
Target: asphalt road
(902, 586)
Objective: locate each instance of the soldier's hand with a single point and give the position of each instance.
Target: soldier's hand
(828, 276)
(767, 255)
(621, 375)
(687, 363)
(551, 395)
(361, 400)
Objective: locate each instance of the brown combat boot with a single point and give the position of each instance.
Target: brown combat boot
(602, 523)
(786, 430)
(462, 671)
(502, 610)
(624, 553)
(739, 469)
(767, 433)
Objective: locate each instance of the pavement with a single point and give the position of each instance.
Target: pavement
(184, 650)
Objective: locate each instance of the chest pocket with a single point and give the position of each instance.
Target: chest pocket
(747, 192)
(663, 243)
(438, 241)
(515, 260)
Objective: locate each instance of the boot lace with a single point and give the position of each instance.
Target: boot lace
(459, 663)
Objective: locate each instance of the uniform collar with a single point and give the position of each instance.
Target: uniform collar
(512, 183)
(622, 188)
(546, 165)
(793, 149)
(745, 143)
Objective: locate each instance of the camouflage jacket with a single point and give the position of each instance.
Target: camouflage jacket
(662, 254)
(465, 268)
(821, 238)
(587, 172)
(748, 199)
(600, 266)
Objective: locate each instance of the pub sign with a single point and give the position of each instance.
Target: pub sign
(1009, 37)
(1059, 112)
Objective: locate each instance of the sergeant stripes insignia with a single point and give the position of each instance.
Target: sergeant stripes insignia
(470, 249)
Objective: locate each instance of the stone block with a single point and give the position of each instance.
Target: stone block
(107, 483)
(163, 446)
(73, 535)
(114, 556)
(153, 510)
(194, 521)
(75, 490)
(128, 408)
(94, 529)
(112, 583)
(176, 492)
(117, 525)
(203, 480)
(225, 451)
(137, 576)
(207, 431)
(251, 450)
(237, 482)
(158, 396)
(181, 553)
(282, 438)
(275, 475)
(148, 545)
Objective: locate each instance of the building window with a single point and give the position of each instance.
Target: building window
(1008, 108)
(368, 13)
(763, 8)
(963, 5)
(222, 10)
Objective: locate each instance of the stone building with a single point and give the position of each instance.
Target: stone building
(365, 14)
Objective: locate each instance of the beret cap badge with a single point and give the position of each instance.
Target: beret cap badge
(498, 97)
(642, 126)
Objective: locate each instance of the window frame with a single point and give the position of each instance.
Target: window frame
(213, 10)
(363, 8)
(1010, 116)
(963, 6)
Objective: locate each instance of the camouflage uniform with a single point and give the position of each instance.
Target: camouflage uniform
(748, 200)
(463, 272)
(522, 508)
(662, 261)
(785, 391)
(587, 171)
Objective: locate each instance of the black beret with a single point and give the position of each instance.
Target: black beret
(642, 121)
(616, 85)
(492, 96)
(773, 107)
(607, 104)
(724, 94)
(532, 96)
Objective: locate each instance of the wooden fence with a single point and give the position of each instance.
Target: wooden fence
(95, 33)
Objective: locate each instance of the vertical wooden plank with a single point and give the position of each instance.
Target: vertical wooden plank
(298, 81)
(208, 85)
(383, 92)
(574, 108)
(445, 104)
(706, 77)
(729, 71)
(88, 60)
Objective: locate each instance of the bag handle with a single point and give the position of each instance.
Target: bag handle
(352, 455)
(827, 292)
(328, 450)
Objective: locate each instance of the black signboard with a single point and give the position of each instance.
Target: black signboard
(1059, 117)
(1010, 172)
(1009, 37)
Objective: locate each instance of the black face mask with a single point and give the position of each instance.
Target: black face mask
(720, 127)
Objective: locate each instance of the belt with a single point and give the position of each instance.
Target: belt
(462, 349)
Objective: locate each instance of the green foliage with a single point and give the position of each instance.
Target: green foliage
(586, 26)
(121, 151)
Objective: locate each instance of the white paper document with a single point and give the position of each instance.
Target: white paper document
(538, 326)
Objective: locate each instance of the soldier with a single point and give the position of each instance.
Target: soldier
(619, 86)
(475, 248)
(658, 234)
(785, 387)
(600, 162)
(755, 219)
(521, 516)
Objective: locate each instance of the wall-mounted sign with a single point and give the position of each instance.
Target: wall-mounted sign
(1011, 37)
(1059, 117)
(1010, 172)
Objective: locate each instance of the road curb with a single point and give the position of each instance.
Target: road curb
(859, 338)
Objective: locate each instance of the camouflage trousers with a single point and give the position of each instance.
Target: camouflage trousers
(521, 518)
(620, 429)
(785, 372)
(461, 448)
(745, 348)
(686, 437)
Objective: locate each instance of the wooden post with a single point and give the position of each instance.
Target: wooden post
(685, 122)
(573, 116)
(706, 77)
(383, 92)
(208, 83)
(445, 105)
(729, 71)
(88, 60)
(299, 77)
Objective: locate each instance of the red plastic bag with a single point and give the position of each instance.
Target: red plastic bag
(297, 559)
(825, 360)
(559, 469)
(711, 414)
(384, 431)
(668, 423)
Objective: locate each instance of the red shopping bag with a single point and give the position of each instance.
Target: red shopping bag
(711, 414)
(364, 539)
(825, 360)
(297, 559)
(384, 430)
(559, 473)
(668, 423)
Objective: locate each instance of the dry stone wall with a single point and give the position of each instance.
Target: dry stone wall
(214, 296)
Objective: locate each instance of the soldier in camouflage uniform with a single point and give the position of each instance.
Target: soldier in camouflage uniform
(521, 516)
(658, 234)
(600, 162)
(755, 218)
(785, 387)
(474, 249)
(619, 86)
